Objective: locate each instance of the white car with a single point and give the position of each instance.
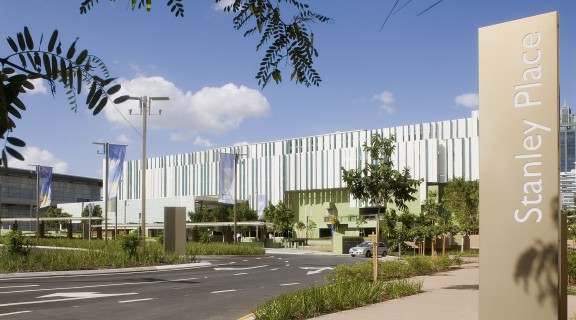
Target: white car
(365, 249)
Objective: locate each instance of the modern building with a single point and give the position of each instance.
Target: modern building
(18, 194)
(304, 172)
(567, 139)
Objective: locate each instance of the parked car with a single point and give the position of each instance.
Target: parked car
(365, 249)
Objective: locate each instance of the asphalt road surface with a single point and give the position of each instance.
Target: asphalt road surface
(228, 289)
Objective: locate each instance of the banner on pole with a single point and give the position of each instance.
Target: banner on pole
(227, 178)
(116, 155)
(45, 179)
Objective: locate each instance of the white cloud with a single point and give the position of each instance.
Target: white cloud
(212, 110)
(123, 139)
(35, 156)
(39, 86)
(467, 100)
(219, 6)
(387, 101)
(241, 143)
(203, 142)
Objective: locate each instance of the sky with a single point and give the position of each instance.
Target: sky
(412, 69)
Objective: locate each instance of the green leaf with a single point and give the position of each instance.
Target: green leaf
(63, 71)
(52, 41)
(18, 103)
(55, 70)
(100, 106)
(71, 51)
(121, 99)
(15, 154)
(21, 42)
(16, 142)
(81, 57)
(28, 37)
(28, 85)
(95, 99)
(47, 64)
(14, 112)
(12, 44)
(114, 89)
(91, 92)
(79, 80)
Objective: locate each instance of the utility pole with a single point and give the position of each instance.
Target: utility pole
(105, 145)
(145, 102)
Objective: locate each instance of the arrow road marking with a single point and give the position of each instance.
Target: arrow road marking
(67, 297)
(316, 269)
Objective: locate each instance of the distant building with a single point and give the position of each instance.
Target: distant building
(567, 139)
(303, 172)
(18, 194)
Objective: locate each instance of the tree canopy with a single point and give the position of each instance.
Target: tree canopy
(379, 183)
(279, 215)
(49, 60)
(52, 212)
(288, 41)
(461, 198)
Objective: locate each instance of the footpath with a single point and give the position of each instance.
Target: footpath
(451, 295)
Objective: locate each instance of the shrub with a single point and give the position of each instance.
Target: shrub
(129, 244)
(571, 266)
(16, 244)
(314, 301)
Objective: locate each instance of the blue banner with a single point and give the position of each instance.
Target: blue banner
(116, 154)
(227, 178)
(45, 180)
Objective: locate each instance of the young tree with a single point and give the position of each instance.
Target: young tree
(96, 212)
(279, 215)
(52, 212)
(378, 183)
(461, 198)
(29, 60)
(360, 222)
(433, 214)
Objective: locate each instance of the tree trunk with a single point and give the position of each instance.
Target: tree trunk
(443, 244)
(433, 253)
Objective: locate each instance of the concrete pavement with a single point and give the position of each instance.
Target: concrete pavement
(451, 295)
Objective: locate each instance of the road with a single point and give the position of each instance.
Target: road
(229, 288)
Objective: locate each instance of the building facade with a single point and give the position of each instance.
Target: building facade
(304, 172)
(18, 194)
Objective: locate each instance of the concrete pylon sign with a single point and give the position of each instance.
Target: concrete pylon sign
(520, 224)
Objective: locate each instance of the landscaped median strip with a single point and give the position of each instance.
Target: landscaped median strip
(351, 286)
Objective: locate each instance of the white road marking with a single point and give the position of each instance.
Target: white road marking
(13, 313)
(136, 300)
(316, 269)
(274, 269)
(58, 300)
(222, 291)
(240, 274)
(83, 295)
(245, 268)
(289, 284)
(26, 286)
(94, 286)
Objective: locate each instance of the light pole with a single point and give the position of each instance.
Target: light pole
(145, 103)
(105, 145)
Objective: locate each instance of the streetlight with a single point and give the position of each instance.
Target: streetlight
(105, 145)
(145, 102)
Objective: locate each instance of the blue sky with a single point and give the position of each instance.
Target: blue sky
(415, 69)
